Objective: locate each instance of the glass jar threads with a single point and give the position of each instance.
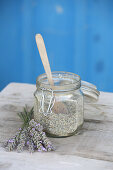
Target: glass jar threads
(59, 108)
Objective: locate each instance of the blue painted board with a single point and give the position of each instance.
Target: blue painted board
(78, 37)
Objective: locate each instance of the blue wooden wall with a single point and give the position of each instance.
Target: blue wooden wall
(78, 35)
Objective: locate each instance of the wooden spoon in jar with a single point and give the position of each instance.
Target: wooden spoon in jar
(58, 107)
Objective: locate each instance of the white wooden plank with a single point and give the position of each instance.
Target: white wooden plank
(95, 140)
(49, 161)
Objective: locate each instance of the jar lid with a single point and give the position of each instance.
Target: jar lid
(90, 91)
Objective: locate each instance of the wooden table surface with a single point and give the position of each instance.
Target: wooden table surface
(92, 149)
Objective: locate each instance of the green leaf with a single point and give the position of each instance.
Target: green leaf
(26, 115)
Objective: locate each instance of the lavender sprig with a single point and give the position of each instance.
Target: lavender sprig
(35, 136)
(11, 143)
(36, 125)
(22, 140)
(38, 135)
(46, 142)
(31, 135)
(31, 146)
(26, 116)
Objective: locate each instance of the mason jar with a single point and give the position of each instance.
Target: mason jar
(59, 108)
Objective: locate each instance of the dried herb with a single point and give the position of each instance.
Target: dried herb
(26, 116)
(31, 135)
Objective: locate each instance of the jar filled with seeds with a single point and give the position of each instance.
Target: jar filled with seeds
(59, 108)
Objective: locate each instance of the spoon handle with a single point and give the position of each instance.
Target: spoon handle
(44, 58)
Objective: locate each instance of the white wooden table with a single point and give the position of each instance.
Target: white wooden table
(90, 150)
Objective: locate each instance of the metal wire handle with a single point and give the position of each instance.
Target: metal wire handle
(51, 102)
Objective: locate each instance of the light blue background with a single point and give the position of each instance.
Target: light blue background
(78, 35)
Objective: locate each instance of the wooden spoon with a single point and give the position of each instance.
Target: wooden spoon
(58, 107)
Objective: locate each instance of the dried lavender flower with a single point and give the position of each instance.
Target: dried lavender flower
(22, 140)
(30, 145)
(35, 136)
(36, 125)
(31, 135)
(11, 143)
(46, 142)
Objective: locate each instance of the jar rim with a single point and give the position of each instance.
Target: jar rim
(74, 83)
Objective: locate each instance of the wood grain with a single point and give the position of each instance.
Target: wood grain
(95, 140)
(43, 55)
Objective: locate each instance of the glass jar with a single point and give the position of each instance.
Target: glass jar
(59, 108)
